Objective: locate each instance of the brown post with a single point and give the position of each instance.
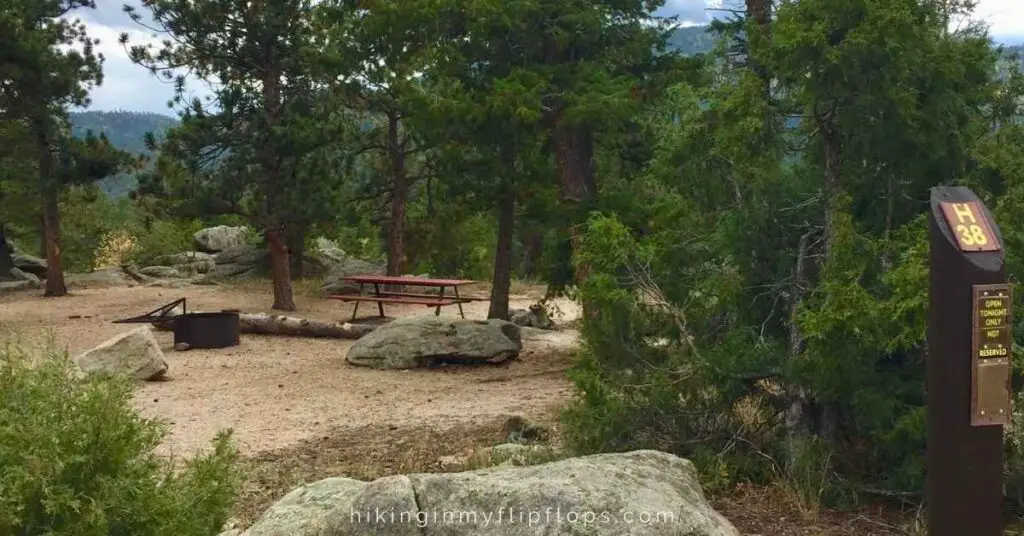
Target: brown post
(968, 367)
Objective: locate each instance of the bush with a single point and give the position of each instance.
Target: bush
(163, 237)
(76, 459)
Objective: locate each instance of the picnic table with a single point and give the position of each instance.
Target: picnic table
(382, 296)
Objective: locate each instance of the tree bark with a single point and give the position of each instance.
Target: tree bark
(6, 260)
(574, 156)
(55, 285)
(270, 160)
(49, 191)
(297, 252)
(798, 413)
(265, 324)
(828, 423)
(501, 282)
(761, 12)
(533, 244)
(281, 271)
(399, 198)
(831, 138)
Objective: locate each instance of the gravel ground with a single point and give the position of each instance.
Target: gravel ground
(278, 391)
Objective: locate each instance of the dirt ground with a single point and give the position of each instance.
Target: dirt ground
(278, 391)
(300, 413)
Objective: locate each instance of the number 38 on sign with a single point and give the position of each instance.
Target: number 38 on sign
(970, 226)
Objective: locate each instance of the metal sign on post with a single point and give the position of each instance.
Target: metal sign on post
(968, 367)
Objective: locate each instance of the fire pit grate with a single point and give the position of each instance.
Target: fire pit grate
(193, 330)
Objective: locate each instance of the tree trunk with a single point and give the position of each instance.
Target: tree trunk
(831, 138)
(265, 324)
(829, 418)
(49, 191)
(533, 244)
(42, 234)
(399, 198)
(54, 270)
(297, 252)
(281, 271)
(761, 12)
(574, 156)
(501, 283)
(270, 159)
(798, 412)
(6, 260)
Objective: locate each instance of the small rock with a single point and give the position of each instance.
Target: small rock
(518, 428)
(181, 346)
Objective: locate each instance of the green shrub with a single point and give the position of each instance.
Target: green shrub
(76, 459)
(163, 237)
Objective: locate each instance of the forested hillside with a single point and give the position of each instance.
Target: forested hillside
(743, 227)
(126, 131)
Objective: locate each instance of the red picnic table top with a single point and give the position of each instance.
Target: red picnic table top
(411, 281)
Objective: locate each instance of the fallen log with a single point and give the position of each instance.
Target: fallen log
(265, 324)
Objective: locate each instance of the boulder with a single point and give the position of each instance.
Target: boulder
(534, 317)
(162, 272)
(30, 264)
(19, 280)
(635, 493)
(347, 267)
(134, 353)
(427, 340)
(220, 238)
(185, 257)
(327, 252)
(102, 278)
(235, 261)
(14, 286)
(19, 275)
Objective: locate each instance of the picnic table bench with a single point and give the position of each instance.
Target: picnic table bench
(382, 296)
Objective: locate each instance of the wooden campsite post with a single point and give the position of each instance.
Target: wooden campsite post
(968, 367)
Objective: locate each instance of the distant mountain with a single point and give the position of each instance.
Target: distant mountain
(126, 131)
(692, 40)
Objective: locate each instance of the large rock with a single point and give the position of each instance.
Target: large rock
(21, 275)
(135, 353)
(30, 264)
(333, 282)
(22, 261)
(237, 261)
(419, 341)
(628, 494)
(220, 238)
(327, 252)
(185, 257)
(102, 278)
(162, 272)
(14, 286)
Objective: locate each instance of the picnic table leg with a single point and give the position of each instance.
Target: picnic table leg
(380, 305)
(356, 308)
(440, 295)
(459, 301)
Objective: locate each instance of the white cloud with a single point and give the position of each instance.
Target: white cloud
(1004, 17)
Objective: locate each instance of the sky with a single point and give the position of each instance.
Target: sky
(129, 87)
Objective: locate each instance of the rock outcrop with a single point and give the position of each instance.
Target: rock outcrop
(220, 238)
(427, 340)
(636, 493)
